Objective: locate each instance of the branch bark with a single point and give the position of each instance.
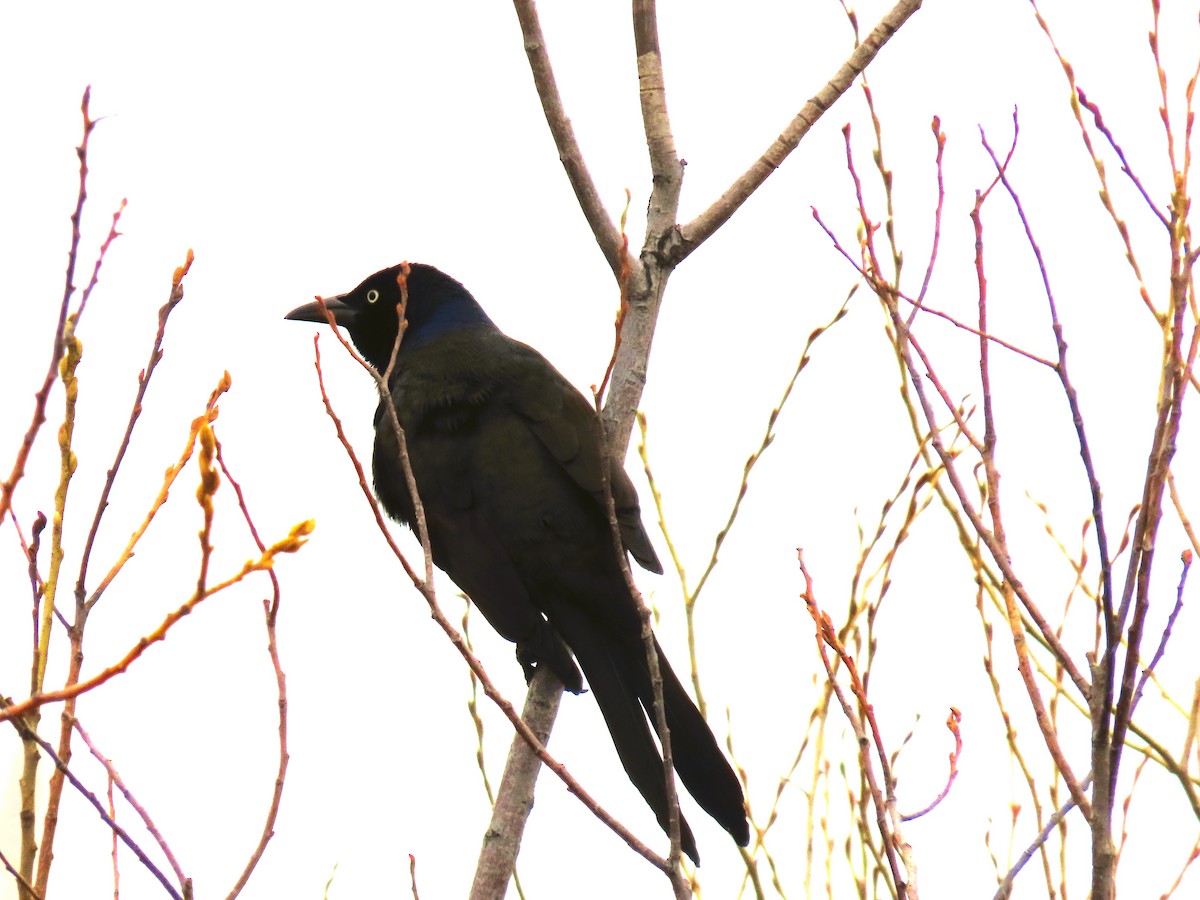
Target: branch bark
(514, 800)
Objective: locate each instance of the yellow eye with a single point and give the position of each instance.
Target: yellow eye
(372, 296)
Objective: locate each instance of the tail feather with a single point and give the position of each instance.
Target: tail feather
(619, 678)
(620, 704)
(697, 757)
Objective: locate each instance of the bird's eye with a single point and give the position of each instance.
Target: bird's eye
(372, 296)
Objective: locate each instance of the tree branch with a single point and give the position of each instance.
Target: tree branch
(569, 153)
(696, 232)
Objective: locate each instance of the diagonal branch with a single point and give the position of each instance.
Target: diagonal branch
(696, 232)
(564, 136)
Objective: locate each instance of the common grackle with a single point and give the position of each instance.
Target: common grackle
(506, 455)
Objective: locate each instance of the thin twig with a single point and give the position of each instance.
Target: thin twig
(952, 723)
(919, 305)
(673, 871)
(156, 354)
(114, 778)
(6, 707)
(1006, 885)
(893, 843)
(39, 404)
(271, 615)
(20, 879)
(290, 544)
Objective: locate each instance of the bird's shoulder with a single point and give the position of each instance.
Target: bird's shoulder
(477, 367)
(477, 382)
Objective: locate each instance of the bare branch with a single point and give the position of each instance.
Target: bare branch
(564, 136)
(6, 708)
(39, 405)
(694, 233)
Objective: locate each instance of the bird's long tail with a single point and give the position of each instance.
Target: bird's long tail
(618, 675)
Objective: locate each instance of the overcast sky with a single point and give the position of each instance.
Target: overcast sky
(299, 147)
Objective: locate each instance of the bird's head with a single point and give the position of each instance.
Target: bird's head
(436, 304)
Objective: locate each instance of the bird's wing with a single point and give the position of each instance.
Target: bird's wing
(464, 542)
(568, 427)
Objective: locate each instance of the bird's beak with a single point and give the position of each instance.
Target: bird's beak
(311, 312)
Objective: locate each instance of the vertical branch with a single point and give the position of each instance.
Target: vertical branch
(1172, 389)
(82, 607)
(271, 615)
(73, 350)
(998, 545)
(39, 405)
(665, 166)
(870, 744)
(28, 779)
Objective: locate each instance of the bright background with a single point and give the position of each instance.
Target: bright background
(298, 148)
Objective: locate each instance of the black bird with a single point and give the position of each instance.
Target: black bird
(507, 461)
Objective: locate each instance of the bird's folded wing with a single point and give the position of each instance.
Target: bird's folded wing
(568, 427)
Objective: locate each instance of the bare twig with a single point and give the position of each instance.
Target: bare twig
(39, 405)
(156, 354)
(290, 544)
(998, 543)
(6, 707)
(691, 595)
(114, 778)
(673, 872)
(895, 848)
(1186, 561)
(24, 885)
(271, 615)
(952, 722)
(1006, 885)
(919, 305)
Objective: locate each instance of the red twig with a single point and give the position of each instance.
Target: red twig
(39, 404)
(886, 818)
(952, 723)
(271, 614)
(623, 307)
(113, 234)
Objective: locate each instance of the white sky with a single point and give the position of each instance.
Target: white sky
(299, 147)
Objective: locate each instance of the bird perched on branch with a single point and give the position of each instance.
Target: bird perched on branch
(508, 462)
